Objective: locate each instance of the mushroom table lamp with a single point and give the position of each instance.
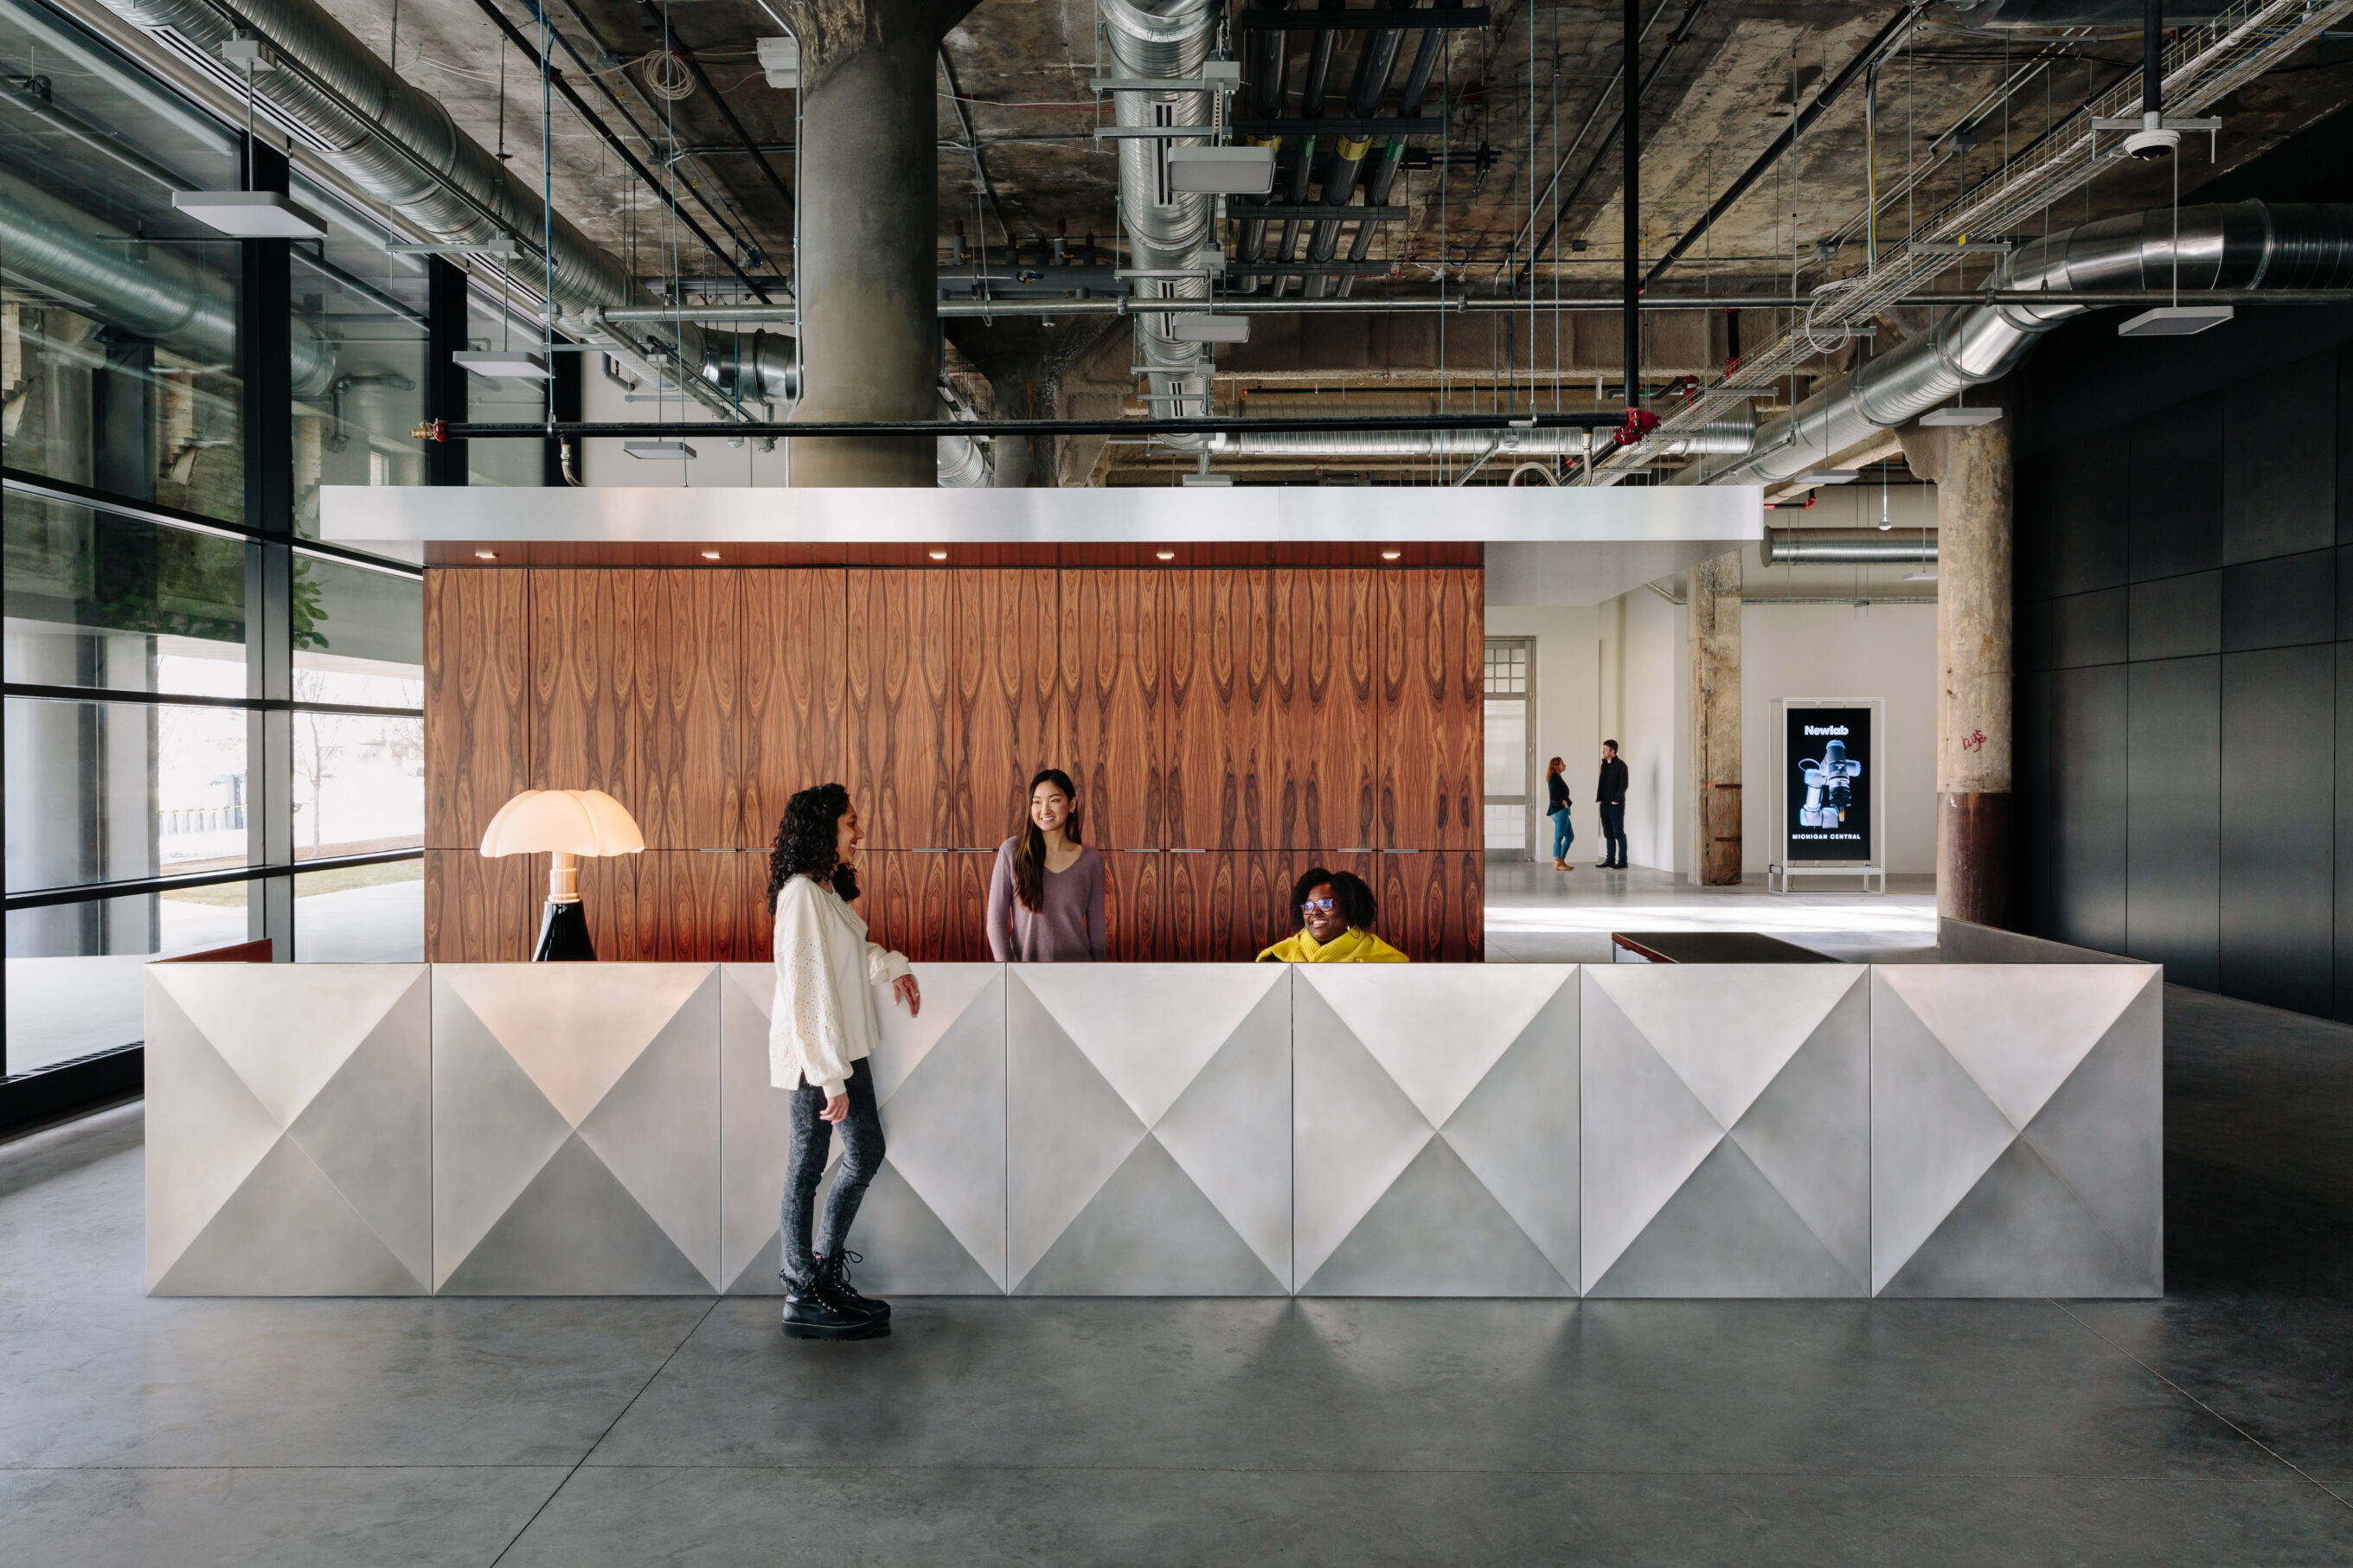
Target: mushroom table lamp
(564, 823)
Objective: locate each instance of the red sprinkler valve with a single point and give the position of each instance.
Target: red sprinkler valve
(1640, 422)
(431, 430)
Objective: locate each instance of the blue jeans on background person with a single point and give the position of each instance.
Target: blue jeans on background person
(1613, 835)
(862, 1157)
(1563, 834)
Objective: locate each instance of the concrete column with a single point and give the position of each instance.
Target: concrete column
(1970, 468)
(1714, 602)
(868, 200)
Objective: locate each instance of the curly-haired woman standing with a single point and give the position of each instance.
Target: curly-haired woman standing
(822, 1026)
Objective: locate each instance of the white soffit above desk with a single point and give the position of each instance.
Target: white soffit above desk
(378, 517)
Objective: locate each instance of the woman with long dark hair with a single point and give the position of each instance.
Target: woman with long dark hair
(1556, 810)
(821, 1026)
(1046, 895)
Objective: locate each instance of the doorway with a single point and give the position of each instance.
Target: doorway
(1510, 754)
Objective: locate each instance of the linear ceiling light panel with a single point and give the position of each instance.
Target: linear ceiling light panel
(780, 61)
(1959, 416)
(2174, 320)
(1826, 477)
(252, 214)
(676, 451)
(512, 362)
(1224, 171)
(1210, 329)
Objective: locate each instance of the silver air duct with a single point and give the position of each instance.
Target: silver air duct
(1735, 432)
(57, 249)
(396, 143)
(1166, 230)
(1845, 546)
(2246, 245)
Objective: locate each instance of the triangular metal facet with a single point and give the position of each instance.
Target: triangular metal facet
(1728, 1233)
(1727, 1029)
(2019, 1231)
(205, 1132)
(1517, 1132)
(1935, 1131)
(657, 1129)
(1052, 1178)
(2017, 1029)
(1437, 1232)
(1230, 1132)
(1149, 1232)
(1434, 1033)
(576, 1231)
(287, 1231)
(338, 1005)
(492, 1129)
(955, 995)
(1809, 1133)
(369, 1129)
(944, 1124)
(574, 1031)
(1353, 1131)
(1148, 1027)
(1644, 1132)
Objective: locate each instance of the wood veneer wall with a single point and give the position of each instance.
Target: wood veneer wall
(1228, 728)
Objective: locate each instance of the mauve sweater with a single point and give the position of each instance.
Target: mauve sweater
(1068, 925)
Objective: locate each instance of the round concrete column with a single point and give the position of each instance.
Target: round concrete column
(1970, 468)
(1714, 606)
(868, 197)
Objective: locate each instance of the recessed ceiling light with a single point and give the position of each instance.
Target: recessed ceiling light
(252, 214)
(711, 555)
(1392, 554)
(513, 363)
(937, 554)
(1164, 554)
(486, 555)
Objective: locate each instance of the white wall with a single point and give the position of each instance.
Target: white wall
(1888, 652)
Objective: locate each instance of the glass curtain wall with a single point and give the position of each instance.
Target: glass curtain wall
(214, 729)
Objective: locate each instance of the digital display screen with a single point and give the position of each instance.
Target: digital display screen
(1827, 790)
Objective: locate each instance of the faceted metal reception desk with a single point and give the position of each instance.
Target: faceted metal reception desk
(1498, 1130)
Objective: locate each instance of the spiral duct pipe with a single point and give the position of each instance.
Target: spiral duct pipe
(1733, 433)
(1845, 546)
(1166, 230)
(2244, 245)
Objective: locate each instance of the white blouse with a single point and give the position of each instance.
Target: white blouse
(823, 1018)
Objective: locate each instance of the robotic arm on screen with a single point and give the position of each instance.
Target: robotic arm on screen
(1828, 786)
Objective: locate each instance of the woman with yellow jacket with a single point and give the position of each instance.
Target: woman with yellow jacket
(1336, 912)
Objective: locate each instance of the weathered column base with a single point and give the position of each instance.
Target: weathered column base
(1973, 857)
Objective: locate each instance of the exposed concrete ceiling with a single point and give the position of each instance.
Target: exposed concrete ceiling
(1527, 105)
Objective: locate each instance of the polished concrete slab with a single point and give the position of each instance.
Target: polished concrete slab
(1538, 915)
(2212, 1427)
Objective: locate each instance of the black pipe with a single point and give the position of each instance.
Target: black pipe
(641, 430)
(1385, 171)
(1310, 106)
(580, 107)
(2152, 59)
(1269, 64)
(1633, 121)
(1781, 145)
(1375, 63)
(1681, 30)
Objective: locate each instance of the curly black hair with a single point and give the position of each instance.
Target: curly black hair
(805, 842)
(1349, 891)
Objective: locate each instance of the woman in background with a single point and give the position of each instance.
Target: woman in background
(1556, 810)
(821, 1026)
(1046, 895)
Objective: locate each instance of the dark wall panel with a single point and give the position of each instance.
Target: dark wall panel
(2073, 512)
(2177, 617)
(2174, 780)
(2177, 490)
(2279, 603)
(2341, 881)
(2278, 818)
(2088, 806)
(2088, 628)
(2030, 801)
(2279, 461)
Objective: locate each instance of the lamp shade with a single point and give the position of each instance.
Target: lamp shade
(570, 821)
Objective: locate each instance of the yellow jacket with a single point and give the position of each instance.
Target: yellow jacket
(1355, 946)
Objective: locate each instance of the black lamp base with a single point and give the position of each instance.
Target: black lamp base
(564, 935)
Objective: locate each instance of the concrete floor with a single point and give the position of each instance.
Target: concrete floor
(2215, 1426)
(1538, 915)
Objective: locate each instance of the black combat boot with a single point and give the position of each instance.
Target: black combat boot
(833, 1277)
(814, 1312)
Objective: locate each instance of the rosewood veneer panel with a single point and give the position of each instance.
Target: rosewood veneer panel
(1430, 696)
(795, 692)
(482, 911)
(476, 723)
(1327, 740)
(1008, 681)
(1110, 656)
(901, 731)
(583, 679)
(688, 629)
(1215, 733)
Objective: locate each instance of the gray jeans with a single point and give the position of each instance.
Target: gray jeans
(862, 1157)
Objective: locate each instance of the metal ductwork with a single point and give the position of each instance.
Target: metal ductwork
(2245, 245)
(151, 292)
(1733, 433)
(1166, 230)
(1845, 546)
(395, 142)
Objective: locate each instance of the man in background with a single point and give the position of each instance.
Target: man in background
(1610, 794)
